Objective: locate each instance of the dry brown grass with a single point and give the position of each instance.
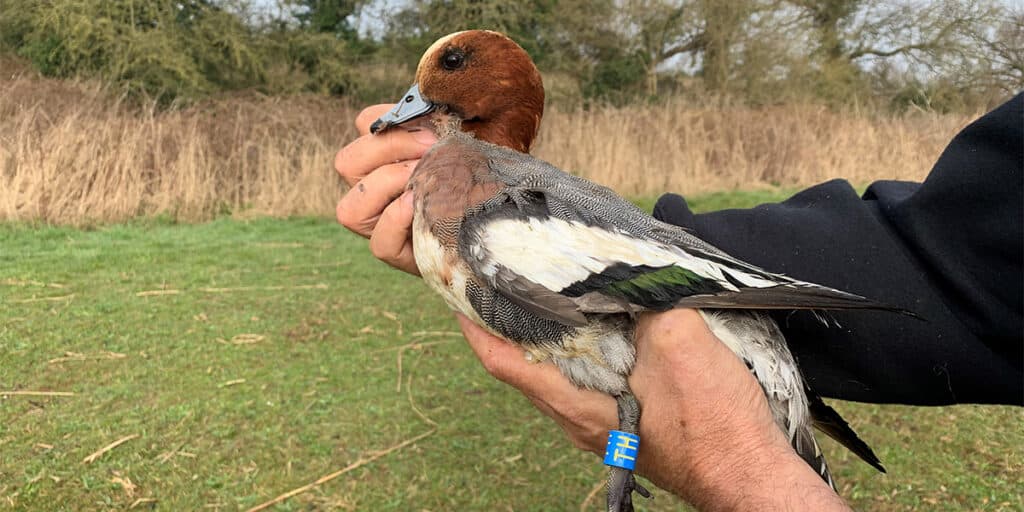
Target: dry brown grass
(640, 151)
(69, 154)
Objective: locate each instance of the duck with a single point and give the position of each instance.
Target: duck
(562, 266)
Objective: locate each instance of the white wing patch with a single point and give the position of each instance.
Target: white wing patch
(556, 253)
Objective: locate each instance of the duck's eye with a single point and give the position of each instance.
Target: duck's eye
(453, 60)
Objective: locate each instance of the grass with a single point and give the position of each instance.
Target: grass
(69, 154)
(253, 357)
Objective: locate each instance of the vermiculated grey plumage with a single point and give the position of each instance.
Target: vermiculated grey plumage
(508, 318)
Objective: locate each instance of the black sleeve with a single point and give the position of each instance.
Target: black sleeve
(949, 249)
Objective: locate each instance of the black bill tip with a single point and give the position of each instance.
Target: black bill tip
(412, 106)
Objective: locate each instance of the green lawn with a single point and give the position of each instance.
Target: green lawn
(253, 357)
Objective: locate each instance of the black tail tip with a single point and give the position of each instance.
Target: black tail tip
(905, 312)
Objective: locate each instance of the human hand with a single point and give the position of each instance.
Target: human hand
(706, 432)
(377, 168)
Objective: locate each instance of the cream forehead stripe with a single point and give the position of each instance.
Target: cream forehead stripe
(440, 43)
(434, 47)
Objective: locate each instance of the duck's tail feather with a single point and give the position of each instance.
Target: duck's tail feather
(827, 420)
(807, 447)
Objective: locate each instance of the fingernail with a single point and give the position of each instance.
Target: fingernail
(425, 137)
(407, 199)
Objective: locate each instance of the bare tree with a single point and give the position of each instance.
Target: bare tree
(708, 31)
(723, 26)
(1002, 53)
(658, 30)
(925, 37)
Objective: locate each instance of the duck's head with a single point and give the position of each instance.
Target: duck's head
(482, 78)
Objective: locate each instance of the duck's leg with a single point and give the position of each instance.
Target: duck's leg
(621, 482)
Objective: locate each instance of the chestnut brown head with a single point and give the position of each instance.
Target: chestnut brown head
(483, 78)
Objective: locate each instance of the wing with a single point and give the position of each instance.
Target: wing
(560, 267)
(561, 247)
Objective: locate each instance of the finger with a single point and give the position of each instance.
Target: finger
(508, 363)
(492, 351)
(587, 439)
(585, 415)
(361, 207)
(360, 157)
(391, 241)
(369, 115)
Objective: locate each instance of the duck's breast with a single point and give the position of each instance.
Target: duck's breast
(442, 269)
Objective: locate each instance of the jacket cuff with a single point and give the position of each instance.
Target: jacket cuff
(672, 208)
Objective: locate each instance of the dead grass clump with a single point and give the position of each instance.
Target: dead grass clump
(72, 154)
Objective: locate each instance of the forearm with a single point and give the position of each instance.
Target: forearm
(738, 461)
(707, 433)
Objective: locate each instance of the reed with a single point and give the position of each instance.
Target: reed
(644, 150)
(72, 154)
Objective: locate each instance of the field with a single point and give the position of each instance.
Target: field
(181, 328)
(237, 360)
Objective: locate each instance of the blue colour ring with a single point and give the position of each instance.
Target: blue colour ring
(621, 450)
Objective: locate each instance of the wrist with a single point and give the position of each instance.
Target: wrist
(760, 473)
(732, 464)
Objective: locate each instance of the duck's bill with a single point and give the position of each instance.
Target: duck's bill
(411, 106)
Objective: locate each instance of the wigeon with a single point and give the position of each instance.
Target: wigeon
(561, 266)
